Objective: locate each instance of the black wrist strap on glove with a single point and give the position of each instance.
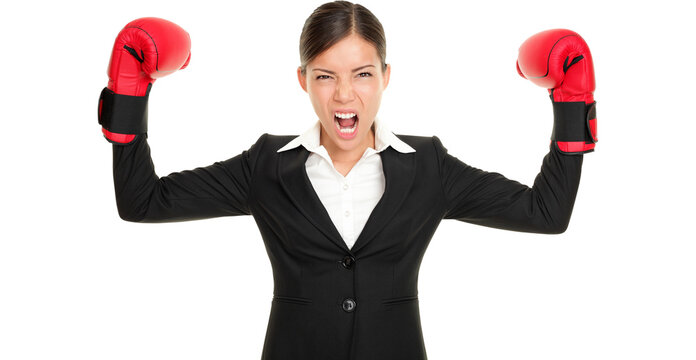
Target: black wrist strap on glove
(572, 121)
(123, 114)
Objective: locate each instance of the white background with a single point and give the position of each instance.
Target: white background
(77, 282)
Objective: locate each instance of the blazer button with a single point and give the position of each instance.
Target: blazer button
(348, 261)
(349, 305)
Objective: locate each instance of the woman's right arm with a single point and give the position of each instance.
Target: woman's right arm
(144, 50)
(220, 189)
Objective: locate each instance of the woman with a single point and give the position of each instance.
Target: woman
(347, 209)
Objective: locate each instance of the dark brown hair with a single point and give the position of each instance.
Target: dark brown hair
(333, 21)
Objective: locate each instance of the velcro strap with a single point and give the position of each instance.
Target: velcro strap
(123, 114)
(571, 121)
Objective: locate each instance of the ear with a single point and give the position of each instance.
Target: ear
(302, 79)
(387, 73)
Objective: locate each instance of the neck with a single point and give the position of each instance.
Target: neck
(348, 156)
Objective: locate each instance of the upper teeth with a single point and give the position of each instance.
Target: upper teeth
(344, 116)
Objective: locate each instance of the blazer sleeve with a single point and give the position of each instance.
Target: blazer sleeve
(489, 199)
(220, 189)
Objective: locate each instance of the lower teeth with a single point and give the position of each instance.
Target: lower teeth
(346, 130)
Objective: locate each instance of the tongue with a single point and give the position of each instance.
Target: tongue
(347, 122)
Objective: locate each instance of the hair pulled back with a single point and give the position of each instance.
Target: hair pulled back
(333, 21)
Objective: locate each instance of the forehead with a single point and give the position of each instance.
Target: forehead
(350, 52)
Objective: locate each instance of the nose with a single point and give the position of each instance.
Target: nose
(344, 91)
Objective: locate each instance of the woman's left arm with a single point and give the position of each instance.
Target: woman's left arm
(490, 199)
(560, 61)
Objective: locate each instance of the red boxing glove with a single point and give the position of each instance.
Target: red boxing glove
(146, 49)
(560, 61)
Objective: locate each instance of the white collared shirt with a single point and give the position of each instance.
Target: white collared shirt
(349, 200)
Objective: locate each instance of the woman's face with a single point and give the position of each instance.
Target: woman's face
(343, 80)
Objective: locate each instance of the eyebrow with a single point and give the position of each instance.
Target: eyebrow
(354, 70)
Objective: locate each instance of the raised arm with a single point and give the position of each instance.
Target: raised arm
(220, 189)
(147, 49)
(560, 61)
(490, 199)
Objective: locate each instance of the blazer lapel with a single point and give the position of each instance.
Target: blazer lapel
(294, 180)
(399, 173)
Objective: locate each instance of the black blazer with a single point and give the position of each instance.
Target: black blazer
(331, 302)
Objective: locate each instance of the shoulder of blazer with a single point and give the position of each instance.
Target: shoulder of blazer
(422, 144)
(275, 142)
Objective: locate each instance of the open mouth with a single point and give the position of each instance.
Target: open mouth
(346, 123)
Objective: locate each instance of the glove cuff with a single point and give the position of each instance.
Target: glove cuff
(574, 126)
(123, 114)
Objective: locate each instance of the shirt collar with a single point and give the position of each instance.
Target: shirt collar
(383, 138)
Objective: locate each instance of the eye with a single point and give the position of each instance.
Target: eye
(365, 73)
(320, 77)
